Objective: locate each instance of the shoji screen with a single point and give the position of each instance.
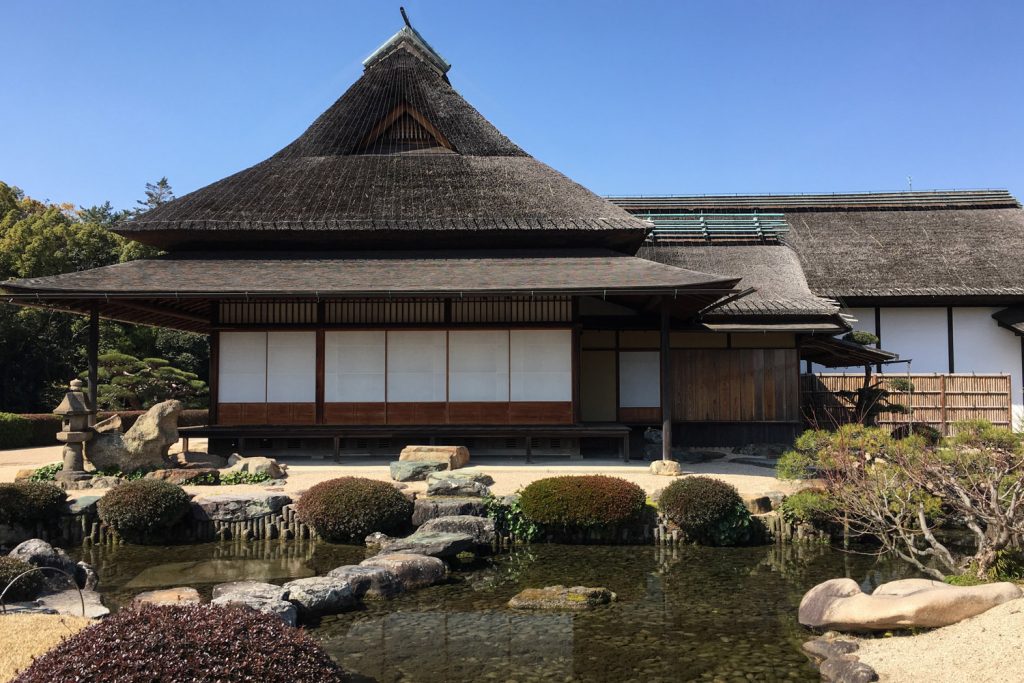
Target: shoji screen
(478, 365)
(417, 366)
(541, 365)
(291, 367)
(354, 366)
(639, 379)
(242, 374)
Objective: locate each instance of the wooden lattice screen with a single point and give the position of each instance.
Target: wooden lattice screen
(937, 400)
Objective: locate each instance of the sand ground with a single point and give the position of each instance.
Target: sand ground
(983, 649)
(25, 636)
(509, 474)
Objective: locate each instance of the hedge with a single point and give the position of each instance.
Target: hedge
(582, 502)
(28, 430)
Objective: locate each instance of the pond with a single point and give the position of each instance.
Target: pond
(687, 613)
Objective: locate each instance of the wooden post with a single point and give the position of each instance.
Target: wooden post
(666, 382)
(93, 352)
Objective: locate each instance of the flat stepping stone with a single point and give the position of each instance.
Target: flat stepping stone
(433, 543)
(320, 595)
(415, 470)
(369, 583)
(184, 595)
(461, 487)
(470, 473)
(412, 570)
(575, 599)
(481, 529)
(428, 508)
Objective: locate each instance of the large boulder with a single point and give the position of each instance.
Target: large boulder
(143, 447)
(238, 507)
(470, 473)
(184, 595)
(840, 604)
(319, 595)
(452, 456)
(412, 571)
(39, 553)
(481, 529)
(262, 597)
(414, 470)
(666, 468)
(428, 508)
(465, 488)
(433, 543)
(256, 465)
(575, 599)
(368, 582)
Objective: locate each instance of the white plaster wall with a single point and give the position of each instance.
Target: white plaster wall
(354, 366)
(920, 334)
(981, 346)
(865, 323)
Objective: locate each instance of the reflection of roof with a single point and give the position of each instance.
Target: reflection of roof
(893, 245)
(774, 270)
(401, 160)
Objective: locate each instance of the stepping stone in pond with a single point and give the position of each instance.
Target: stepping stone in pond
(433, 543)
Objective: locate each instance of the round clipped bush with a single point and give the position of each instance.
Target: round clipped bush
(709, 511)
(27, 587)
(186, 643)
(582, 502)
(348, 509)
(144, 511)
(28, 502)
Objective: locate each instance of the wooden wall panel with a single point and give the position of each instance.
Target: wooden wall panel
(355, 413)
(736, 385)
(291, 413)
(639, 415)
(478, 413)
(541, 412)
(598, 386)
(417, 413)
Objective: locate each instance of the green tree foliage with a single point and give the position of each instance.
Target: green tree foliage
(128, 383)
(42, 349)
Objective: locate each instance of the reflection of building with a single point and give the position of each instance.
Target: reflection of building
(457, 646)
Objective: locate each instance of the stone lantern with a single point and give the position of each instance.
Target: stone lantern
(75, 412)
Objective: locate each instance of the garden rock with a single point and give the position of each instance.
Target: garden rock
(761, 505)
(83, 505)
(457, 487)
(143, 447)
(452, 456)
(433, 543)
(199, 459)
(840, 604)
(262, 597)
(85, 576)
(821, 649)
(238, 507)
(470, 473)
(846, 669)
(412, 571)
(414, 470)
(110, 424)
(184, 477)
(39, 553)
(67, 602)
(257, 465)
(169, 596)
(481, 529)
(368, 583)
(666, 468)
(575, 599)
(377, 540)
(428, 508)
(319, 595)
(24, 475)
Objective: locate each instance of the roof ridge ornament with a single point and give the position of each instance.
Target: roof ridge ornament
(410, 39)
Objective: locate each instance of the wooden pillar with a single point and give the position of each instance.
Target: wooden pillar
(667, 392)
(93, 353)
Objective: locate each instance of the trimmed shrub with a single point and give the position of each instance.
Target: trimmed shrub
(27, 587)
(15, 431)
(582, 502)
(709, 511)
(186, 643)
(145, 510)
(348, 509)
(28, 502)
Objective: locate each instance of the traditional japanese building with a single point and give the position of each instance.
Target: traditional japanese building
(403, 271)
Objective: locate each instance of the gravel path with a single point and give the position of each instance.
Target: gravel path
(984, 649)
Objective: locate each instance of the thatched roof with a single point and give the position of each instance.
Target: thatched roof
(401, 160)
(892, 246)
(773, 270)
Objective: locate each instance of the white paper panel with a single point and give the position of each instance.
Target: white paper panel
(541, 364)
(639, 379)
(242, 363)
(416, 366)
(354, 365)
(478, 365)
(291, 367)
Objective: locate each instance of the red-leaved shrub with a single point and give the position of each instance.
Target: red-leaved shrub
(582, 502)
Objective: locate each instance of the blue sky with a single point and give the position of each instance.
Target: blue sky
(625, 97)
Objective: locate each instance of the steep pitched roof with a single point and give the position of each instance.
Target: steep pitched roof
(903, 245)
(401, 160)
